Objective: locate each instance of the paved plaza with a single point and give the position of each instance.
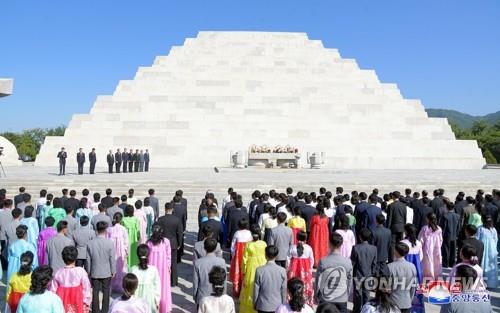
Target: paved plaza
(195, 182)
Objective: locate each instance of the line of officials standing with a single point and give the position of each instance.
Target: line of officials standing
(137, 161)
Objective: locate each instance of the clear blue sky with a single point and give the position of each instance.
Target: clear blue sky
(63, 53)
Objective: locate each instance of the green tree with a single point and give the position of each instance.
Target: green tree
(28, 142)
(478, 127)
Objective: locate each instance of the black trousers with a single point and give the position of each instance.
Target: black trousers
(62, 168)
(125, 166)
(136, 166)
(146, 166)
(281, 263)
(448, 251)
(130, 164)
(173, 271)
(118, 166)
(3, 255)
(92, 167)
(180, 252)
(360, 297)
(405, 310)
(110, 168)
(341, 306)
(100, 285)
(80, 168)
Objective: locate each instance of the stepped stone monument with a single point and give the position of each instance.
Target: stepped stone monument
(225, 91)
(9, 155)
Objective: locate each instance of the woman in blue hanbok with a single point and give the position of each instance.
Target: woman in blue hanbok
(488, 235)
(39, 299)
(32, 224)
(17, 249)
(415, 256)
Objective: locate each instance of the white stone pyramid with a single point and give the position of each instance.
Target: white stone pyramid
(224, 91)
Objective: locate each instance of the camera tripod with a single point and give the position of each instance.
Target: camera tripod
(3, 171)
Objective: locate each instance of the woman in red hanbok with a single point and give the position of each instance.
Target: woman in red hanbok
(72, 284)
(300, 265)
(318, 238)
(240, 239)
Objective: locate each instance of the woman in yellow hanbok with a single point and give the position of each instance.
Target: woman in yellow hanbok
(296, 223)
(253, 257)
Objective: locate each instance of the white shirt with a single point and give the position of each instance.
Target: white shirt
(149, 210)
(240, 236)
(212, 304)
(41, 202)
(308, 254)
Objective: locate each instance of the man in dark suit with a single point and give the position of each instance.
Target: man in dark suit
(382, 240)
(72, 202)
(214, 224)
(118, 160)
(92, 160)
(372, 211)
(107, 201)
(364, 264)
(111, 161)
(252, 207)
(181, 212)
(62, 155)
(234, 215)
(20, 197)
(360, 212)
(307, 211)
(449, 223)
(172, 230)
(146, 161)
(396, 218)
(80, 159)
(437, 204)
(291, 198)
(130, 159)
(135, 158)
(125, 159)
(470, 239)
(420, 211)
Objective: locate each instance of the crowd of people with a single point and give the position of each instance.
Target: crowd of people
(131, 161)
(302, 252)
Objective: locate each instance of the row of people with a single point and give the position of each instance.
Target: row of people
(137, 161)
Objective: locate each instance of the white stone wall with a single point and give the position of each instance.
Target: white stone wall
(224, 91)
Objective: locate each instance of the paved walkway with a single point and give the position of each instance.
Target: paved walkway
(195, 182)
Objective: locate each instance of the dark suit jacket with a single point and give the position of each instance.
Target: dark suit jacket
(234, 216)
(146, 157)
(420, 216)
(216, 227)
(130, 157)
(62, 156)
(371, 215)
(364, 260)
(181, 212)
(110, 158)
(124, 156)
(382, 240)
(107, 201)
(437, 204)
(450, 225)
(80, 157)
(118, 157)
(360, 215)
(92, 157)
(72, 203)
(307, 214)
(172, 229)
(396, 217)
(18, 199)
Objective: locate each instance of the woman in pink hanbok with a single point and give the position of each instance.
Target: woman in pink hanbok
(160, 257)
(143, 221)
(431, 237)
(71, 284)
(118, 234)
(349, 240)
